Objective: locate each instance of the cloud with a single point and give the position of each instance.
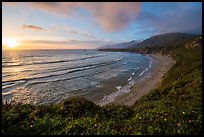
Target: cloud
(58, 8)
(111, 16)
(89, 35)
(73, 44)
(65, 28)
(178, 17)
(65, 42)
(155, 18)
(82, 34)
(33, 27)
(68, 29)
(12, 4)
(74, 32)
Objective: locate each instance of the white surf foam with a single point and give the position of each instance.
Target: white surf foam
(130, 79)
(133, 73)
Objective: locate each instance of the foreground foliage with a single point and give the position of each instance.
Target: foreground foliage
(173, 108)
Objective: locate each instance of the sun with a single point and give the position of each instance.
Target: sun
(10, 42)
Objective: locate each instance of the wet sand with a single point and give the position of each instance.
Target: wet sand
(145, 85)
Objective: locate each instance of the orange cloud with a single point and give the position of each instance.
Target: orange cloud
(69, 44)
(33, 27)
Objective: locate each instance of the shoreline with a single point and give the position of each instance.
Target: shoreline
(145, 85)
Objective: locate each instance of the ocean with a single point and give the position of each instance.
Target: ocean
(49, 76)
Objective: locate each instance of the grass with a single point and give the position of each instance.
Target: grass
(173, 108)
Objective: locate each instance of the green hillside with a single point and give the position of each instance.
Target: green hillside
(175, 107)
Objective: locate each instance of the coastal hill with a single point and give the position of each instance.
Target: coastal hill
(173, 108)
(159, 41)
(164, 40)
(121, 45)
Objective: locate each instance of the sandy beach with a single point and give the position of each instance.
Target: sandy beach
(145, 85)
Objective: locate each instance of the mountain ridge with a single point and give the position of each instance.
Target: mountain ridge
(167, 39)
(121, 45)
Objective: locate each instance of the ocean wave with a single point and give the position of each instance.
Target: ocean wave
(124, 63)
(143, 72)
(6, 75)
(70, 78)
(7, 83)
(133, 73)
(57, 80)
(150, 65)
(7, 61)
(11, 85)
(129, 79)
(65, 78)
(51, 62)
(68, 72)
(118, 87)
(62, 69)
(8, 86)
(6, 93)
(120, 90)
(16, 71)
(135, 68)
(112, 96)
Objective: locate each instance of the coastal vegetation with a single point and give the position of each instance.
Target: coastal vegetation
(175, 107)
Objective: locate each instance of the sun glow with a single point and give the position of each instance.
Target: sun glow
(10, 42)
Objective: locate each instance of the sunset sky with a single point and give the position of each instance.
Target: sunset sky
(77, 25)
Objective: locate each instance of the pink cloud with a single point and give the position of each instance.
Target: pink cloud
(113, 16)
(59, 8)
(33, 27)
